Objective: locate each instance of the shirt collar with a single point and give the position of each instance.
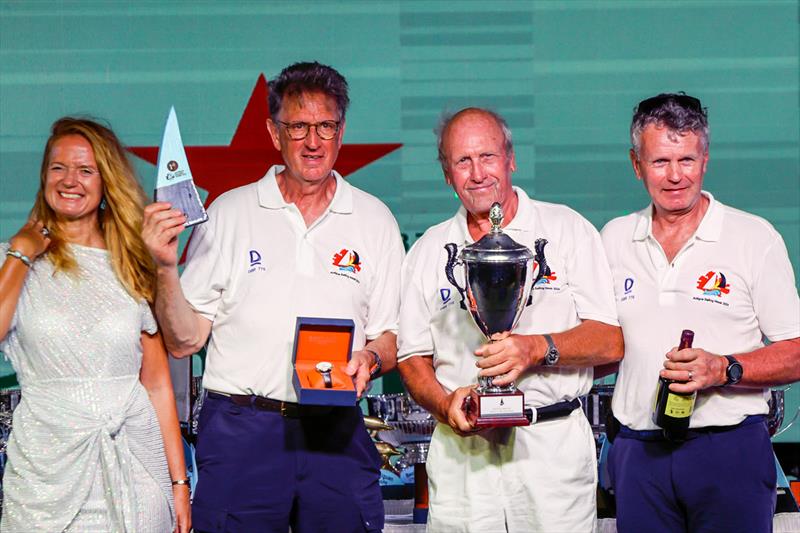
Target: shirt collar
(708, 230)
(270, 197)
(459, 233)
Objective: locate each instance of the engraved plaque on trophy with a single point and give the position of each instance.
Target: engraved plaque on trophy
(497, 288)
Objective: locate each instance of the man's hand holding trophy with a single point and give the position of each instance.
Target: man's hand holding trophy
(497, 289)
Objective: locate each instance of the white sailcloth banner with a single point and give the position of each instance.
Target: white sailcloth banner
(174, 183)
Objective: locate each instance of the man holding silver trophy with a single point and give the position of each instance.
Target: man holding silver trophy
(537, 286)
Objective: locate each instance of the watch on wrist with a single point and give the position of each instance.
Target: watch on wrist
(734, 372)
(551, 355)
(375, 369)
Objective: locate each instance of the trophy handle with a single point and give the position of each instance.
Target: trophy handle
(452, 261)
(544, 269)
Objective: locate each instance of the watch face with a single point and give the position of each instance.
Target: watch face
(735, 372)
(324, 366)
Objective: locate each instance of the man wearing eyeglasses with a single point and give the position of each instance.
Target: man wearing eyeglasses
(299, 242)
(687, 261)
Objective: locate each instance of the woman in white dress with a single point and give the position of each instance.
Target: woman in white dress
(95, 443)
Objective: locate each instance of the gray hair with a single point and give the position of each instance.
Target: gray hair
(677, 111)
(447, 118)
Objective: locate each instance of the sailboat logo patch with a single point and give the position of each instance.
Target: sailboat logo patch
(715, 287)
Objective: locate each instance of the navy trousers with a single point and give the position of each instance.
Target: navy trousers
(259, 471)
(715, 481)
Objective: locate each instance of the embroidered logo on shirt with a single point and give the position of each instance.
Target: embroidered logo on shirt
(445, 294)
(347, 260)
(255, 262)
(713, 284)
(347, 263)
(627, 287)
(544, 275)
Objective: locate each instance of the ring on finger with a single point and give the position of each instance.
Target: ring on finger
(691, 375)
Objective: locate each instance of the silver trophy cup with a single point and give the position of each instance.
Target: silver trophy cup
(497, 272)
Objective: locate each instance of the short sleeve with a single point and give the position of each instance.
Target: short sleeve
(384, 298)
(415, 336)
(590, 279)
(775, 298)
(149, 324)
(205, 277)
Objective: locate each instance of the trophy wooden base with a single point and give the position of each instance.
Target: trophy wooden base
(497, 409)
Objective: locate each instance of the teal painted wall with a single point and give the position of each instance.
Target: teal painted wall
(565, 73)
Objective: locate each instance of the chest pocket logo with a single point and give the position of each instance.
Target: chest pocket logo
(255, 262)
(347, 260)
(713, 284)
(715, 288)
(627, 287)
(348, 264)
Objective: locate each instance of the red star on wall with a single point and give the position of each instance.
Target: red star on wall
(250, 154)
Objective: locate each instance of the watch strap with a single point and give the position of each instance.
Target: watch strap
(551, 355)
(375, 369)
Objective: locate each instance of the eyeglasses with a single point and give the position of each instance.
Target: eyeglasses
(680, 98)
(326, 130)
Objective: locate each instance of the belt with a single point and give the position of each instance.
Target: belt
(557, 410)
(262, 403)
(658, 434)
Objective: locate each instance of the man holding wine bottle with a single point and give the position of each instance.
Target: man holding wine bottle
(688, 262)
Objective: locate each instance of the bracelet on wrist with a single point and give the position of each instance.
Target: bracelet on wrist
(184, 481)
(19, 255)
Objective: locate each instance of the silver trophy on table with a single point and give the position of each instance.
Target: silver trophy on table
(497, 271)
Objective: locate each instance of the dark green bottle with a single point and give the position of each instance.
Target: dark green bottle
(673, 410)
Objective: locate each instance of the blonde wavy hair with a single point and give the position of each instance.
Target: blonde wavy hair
(121, 218)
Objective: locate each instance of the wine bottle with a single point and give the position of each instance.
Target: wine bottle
(672, 410)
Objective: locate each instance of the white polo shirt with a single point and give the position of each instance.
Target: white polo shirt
(254, 267)
(732, 283)
(578, 288)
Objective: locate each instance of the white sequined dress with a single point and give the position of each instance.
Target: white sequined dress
(85, 451)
